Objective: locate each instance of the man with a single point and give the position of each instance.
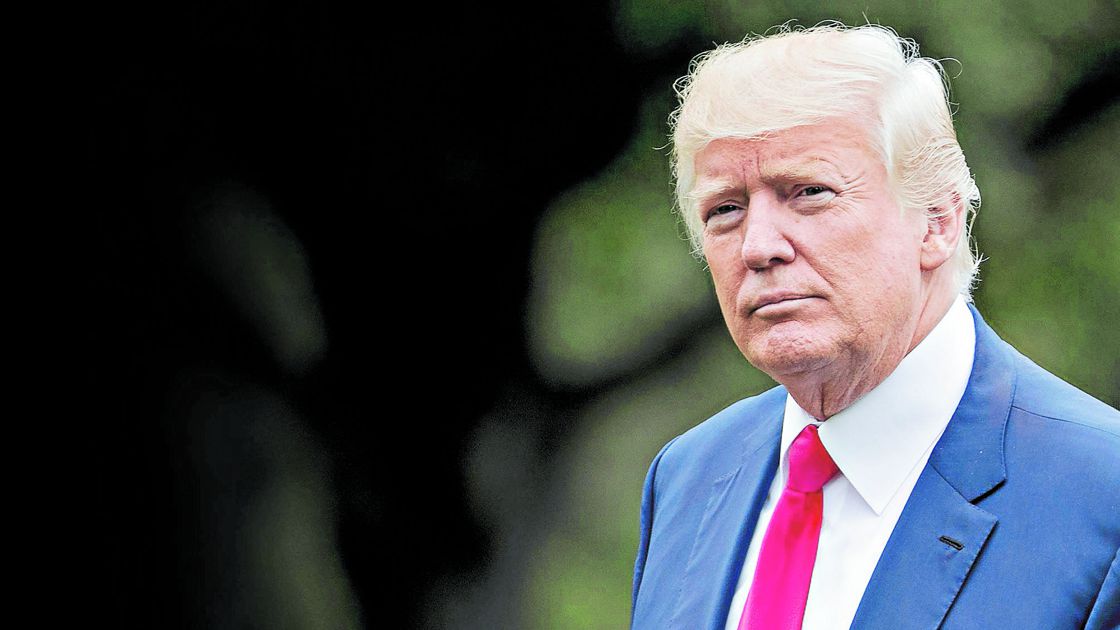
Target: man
(912, 470)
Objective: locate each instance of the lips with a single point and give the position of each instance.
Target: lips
(773, 298)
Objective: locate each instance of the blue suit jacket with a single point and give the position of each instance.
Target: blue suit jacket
(1026, 479)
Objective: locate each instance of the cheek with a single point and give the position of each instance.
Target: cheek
(865, 265)
(725, 268)
(891, 283)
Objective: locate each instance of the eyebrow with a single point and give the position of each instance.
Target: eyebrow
(711, 188)
(799, 170)
(802, 168)
(790, 171)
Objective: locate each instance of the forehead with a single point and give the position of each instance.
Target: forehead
(840, 147)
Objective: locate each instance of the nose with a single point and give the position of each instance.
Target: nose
(765, 243)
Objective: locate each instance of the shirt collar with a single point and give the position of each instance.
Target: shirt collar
(878, 440)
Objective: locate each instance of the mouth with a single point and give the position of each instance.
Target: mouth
(777, 302)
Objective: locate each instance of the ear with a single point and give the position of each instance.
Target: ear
(943, 232)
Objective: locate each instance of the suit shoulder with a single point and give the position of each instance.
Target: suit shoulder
(1046, 396)
(710, 442)
(735, 419)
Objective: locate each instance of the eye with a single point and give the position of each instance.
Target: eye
(720, 210)
(811, 191)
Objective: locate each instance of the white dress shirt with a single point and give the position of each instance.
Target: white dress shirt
(880, 444)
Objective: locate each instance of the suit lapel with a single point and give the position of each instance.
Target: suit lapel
(927, 559)
(725, 530)
(941, 531)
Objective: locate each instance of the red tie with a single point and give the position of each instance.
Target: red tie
(776, 600)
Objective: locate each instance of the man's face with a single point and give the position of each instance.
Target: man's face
(815, 267)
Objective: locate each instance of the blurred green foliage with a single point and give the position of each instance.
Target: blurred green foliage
(613, 278)
(610, 267)
(585, 566)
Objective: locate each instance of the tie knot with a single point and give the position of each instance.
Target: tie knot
(810, 466)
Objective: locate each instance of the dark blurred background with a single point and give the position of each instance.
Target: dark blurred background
(388, 309)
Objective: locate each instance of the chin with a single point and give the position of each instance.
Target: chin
(779, 354)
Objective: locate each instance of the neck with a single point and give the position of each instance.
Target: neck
(824, 393)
